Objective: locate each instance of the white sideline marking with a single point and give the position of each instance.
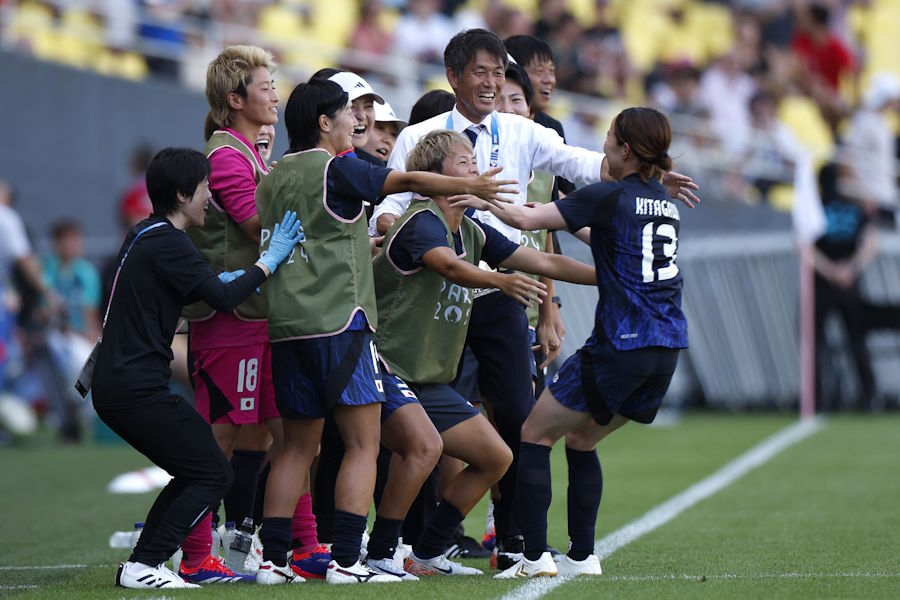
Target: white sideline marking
(668, 510)
(32, 567)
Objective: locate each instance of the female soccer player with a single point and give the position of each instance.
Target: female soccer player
(624, 369)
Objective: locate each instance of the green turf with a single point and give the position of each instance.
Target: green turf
(819, 520)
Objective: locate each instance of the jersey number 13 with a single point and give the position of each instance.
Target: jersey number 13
(669, 249)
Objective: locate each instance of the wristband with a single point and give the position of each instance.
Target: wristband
(555, 300)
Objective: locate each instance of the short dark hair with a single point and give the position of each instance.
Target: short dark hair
(526, 48)
(307, 102)
(517, 75)
(431, 104)
(173, 171)
(463, 47)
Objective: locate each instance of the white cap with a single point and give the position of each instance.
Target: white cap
(884, 88)
(385, 114)
(354, 85)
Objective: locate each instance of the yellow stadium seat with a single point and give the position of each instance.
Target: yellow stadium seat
(802, 115)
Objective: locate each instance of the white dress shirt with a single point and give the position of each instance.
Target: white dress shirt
(523, 146)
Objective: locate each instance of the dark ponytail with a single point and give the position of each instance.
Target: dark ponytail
(648, 133)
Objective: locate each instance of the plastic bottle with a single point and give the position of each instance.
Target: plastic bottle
(216, 541)
(120, 539)
(239, 548)
(176, 559)
(136, 534)
(226, 534)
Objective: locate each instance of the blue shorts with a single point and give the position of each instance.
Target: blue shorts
(313, 375)
(396, 394)
(444, 406)
(603, 381)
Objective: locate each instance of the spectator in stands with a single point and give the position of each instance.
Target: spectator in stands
(824, 62)
(869, 147)
(771, 150)
(423, 31)
(370, 35)
(726, 89)
(74, 279)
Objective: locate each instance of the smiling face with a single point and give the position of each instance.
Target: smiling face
(542, 73)
(382, 139)
(194, 207)
(260, 107)
(460, 162)
(512, 100)
(338, 137)
(364, 112)
(478, 86)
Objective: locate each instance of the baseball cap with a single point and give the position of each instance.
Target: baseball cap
(354, 85)
(384, 113)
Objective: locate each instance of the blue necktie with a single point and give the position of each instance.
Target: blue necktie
(472, 134)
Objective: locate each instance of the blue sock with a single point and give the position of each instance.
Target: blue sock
(347, 540)
(439, 530)
(585, 490)
(385, 533)
(275, 535)
(533, 495)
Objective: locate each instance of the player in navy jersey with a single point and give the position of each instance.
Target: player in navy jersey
(624, 369)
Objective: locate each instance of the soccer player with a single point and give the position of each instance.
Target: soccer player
(232, 357)
(159, 272)
(422, 282)
(321, 317)
(623, 371)
(475, 62)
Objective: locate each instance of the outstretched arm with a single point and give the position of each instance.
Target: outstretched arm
(551, 265)
(432, 184)
(515, 285)
(543, 216)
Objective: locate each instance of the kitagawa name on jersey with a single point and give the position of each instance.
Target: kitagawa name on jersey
(656, 208)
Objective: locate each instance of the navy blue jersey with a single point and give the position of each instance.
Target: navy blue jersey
(425, 231)
(350, 181)
(634, 241)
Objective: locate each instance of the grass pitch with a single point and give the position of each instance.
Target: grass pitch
(820, 519)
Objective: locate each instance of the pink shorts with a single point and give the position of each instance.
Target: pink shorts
(234, 385)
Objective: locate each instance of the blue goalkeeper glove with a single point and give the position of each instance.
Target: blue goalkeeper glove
(285, 236)
(228, 276)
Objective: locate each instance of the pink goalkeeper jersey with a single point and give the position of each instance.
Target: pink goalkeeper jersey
(233, 184)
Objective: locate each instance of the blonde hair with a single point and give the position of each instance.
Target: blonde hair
(230, 72)
(430, 152)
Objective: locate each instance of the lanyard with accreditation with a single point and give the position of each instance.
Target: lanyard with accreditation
(495, 139)
(494, 162)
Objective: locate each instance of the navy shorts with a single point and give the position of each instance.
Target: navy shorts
(532, 340)
(603, 381)
(313, 375)
(444, 406)
(396, 394)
